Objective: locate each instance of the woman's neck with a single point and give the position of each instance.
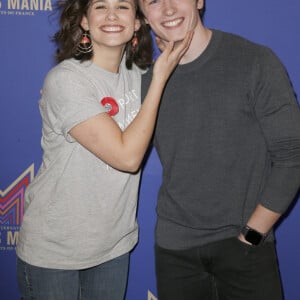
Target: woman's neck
(108, 59)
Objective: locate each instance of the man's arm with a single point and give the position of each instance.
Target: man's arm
(278, 114)
(262, 220)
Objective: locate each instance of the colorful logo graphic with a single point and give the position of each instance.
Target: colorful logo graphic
(111, 105)
(11, 209)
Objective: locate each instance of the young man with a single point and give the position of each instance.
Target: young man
(229, 142)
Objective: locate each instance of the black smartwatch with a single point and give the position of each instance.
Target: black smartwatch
(252, 236)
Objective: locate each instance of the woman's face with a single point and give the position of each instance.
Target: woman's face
(111, 23)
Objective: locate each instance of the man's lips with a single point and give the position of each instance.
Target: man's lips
(173, 23)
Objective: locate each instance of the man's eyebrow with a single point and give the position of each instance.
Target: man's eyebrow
(105, 1)
(96, 1)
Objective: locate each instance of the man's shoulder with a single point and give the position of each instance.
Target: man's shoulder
(240, 46)
(147, 74)
(146, 79)
(235, 39)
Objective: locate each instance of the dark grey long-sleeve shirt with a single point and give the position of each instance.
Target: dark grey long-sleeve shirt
(228, 137)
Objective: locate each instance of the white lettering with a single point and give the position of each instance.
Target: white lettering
(48, 5)
(25, 5)
(12, 237)
(29, 4)
(129, 97)
(13, 4)
(34, 4)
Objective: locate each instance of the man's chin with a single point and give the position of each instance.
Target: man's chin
(177, 38)
(172, 38)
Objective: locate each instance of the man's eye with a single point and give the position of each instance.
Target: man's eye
(123, 7)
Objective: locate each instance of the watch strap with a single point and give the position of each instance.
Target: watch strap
(253, 236)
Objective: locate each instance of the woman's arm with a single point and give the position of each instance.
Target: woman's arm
(125, 150)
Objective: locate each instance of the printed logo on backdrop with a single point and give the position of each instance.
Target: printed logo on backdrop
(11, 209)
(24, 7)
(151, 296)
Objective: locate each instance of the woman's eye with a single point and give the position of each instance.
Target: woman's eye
(100, 7)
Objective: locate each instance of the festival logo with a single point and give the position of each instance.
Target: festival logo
(151, 296)
(111, 105)
(24, 7)
(11, 209)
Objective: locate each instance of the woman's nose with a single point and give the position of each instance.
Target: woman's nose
(111, 15)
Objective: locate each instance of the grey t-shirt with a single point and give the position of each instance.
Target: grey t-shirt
(80, 212)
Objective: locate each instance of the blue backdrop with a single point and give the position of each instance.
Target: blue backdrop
(26, 55)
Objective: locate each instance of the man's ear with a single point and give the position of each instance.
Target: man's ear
(200, 4)
(84, 23)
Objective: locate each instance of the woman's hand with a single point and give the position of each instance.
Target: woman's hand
(171, 55)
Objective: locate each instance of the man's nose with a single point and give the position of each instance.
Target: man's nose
(169, 8)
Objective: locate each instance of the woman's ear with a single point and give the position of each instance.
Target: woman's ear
(84, 23)
(137, 25)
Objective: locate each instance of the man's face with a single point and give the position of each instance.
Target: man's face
(171, 19)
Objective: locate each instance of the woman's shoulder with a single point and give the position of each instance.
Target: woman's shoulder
(67, 77)
(68, 66)
(69, 70)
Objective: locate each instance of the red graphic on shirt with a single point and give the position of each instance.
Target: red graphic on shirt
(111, 105)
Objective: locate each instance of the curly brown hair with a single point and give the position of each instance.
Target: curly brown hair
(70, 33)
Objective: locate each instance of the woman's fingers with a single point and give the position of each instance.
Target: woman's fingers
(180, 45)
(171, 55)
(160, 44)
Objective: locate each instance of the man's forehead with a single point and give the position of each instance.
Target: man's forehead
(104, 1)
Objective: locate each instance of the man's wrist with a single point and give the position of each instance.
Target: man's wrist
(253, 236)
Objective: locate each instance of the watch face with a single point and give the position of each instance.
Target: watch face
(253, 237)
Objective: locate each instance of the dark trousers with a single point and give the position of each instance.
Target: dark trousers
(223, 270)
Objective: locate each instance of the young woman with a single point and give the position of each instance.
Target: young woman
(80, 211)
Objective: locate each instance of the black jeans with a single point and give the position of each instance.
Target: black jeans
(223, 270)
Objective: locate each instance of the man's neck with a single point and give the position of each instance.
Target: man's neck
(199, 43)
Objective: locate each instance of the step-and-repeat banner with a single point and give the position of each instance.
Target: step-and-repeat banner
(26, 55)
